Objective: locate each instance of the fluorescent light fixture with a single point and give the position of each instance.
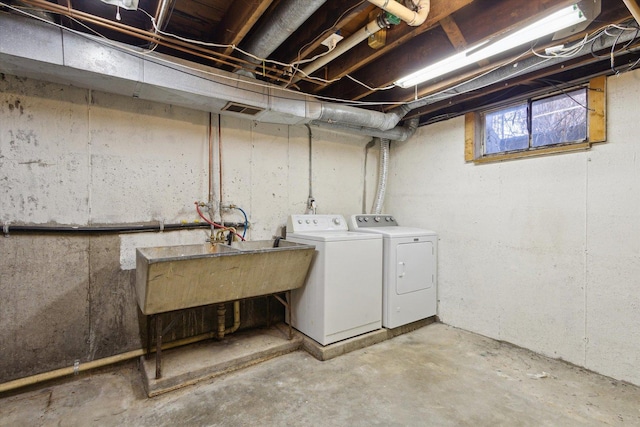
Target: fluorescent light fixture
(557, 21)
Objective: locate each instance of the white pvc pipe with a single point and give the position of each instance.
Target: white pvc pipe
(345, 45)
(413, 18)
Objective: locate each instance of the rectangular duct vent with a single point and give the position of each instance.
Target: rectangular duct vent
(242, 109)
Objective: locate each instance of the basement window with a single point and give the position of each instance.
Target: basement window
(563, 121)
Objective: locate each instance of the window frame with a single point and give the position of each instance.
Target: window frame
(596, 126)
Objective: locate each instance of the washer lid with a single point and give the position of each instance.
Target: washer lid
(395, 231)
(334, 236)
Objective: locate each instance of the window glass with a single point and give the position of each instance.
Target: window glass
(559, 119)
(506, 130)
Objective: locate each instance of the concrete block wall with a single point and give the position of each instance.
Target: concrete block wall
(540, 252)
(73, 156)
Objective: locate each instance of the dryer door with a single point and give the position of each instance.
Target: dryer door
(415, 266)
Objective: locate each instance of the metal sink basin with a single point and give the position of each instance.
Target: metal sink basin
(176, 277)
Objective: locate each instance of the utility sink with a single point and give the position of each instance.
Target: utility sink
(176, 277)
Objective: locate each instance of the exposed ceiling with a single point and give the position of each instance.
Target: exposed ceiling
(451, 25)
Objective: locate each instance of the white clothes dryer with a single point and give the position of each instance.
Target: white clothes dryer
(342, 296)
(409, 268)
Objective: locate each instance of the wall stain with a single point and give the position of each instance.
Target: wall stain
(37, 162)
(16, 106)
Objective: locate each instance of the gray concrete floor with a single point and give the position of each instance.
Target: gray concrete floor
(434, 376)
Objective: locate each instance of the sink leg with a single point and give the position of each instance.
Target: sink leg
(288, 307)
(268, 311)
(148, 319)
(158, 347)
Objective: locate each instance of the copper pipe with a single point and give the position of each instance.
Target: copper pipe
(152, 37)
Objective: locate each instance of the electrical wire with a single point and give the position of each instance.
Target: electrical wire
(292, 65)
(295, 68)
(565, 53)
(570, 52)
(198, 72)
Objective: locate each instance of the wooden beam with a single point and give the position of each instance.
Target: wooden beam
(238, 20)
(453, 32)
(480, 21)
(455, 36)
(334, 16)
(633, 7)
(362, 54)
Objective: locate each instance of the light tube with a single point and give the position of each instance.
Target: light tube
(557, 21)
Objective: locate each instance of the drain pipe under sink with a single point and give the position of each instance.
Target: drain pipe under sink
(222, 310)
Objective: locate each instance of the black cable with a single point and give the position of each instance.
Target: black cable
(106, 229)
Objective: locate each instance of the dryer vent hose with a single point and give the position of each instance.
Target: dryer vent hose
(383, 170)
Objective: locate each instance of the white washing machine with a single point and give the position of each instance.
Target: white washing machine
(409, 268)
(342, 296)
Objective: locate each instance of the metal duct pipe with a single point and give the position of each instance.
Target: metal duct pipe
(30, 48)
(383, 169)
(341, 114)
(288, 17)
(414, 17)
(398, 133)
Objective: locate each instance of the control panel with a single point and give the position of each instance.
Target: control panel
(372, 220)
(306, 223)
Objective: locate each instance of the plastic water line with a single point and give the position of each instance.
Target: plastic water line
(246, 221)
(215, 224)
